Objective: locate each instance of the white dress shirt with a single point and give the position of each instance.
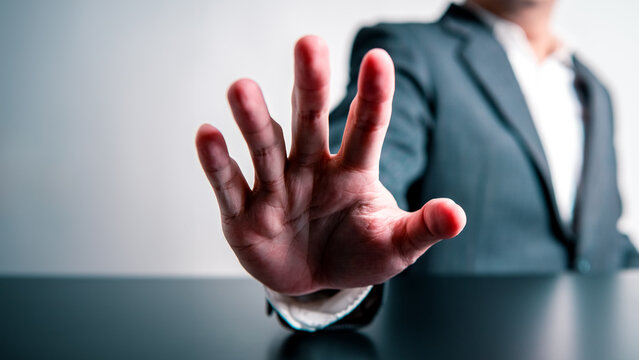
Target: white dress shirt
(548, 87)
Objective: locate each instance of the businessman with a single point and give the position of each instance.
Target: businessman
(484, 107)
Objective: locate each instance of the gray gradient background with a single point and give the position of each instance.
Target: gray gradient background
(100, 101)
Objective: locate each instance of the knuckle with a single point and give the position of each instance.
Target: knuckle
(369, 122)
(265, 151)
(311, 116)
(408, 253)
(223, 186)
(369, 116)
(255, 127)
(277, 129)
(272, 184)
(228, 220)
(368, 125)
(305, 160)
(407, 247)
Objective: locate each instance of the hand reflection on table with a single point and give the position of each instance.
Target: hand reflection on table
(326, 345)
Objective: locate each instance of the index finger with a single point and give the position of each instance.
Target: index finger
(370, 112)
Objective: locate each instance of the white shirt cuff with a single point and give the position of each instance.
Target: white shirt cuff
(317, 314)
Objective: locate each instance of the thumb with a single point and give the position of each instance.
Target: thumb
(438, 219)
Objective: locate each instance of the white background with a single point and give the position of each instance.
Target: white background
(100, 101)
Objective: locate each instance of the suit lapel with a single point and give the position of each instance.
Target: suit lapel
(596, 115)
(489, 65)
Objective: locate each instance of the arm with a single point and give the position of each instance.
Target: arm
(315, 220)
(403, 160)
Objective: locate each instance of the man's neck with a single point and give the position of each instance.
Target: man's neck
(533, 16)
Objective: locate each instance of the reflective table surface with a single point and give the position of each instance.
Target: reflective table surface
(534, 317)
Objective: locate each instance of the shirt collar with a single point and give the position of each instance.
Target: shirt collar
(512, 37)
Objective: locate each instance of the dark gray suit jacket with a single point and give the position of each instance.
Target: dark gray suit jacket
(461, 129)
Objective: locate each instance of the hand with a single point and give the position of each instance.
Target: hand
(314, 220)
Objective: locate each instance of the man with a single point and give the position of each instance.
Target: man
(488, 109)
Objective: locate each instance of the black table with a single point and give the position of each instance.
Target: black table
(537, 317)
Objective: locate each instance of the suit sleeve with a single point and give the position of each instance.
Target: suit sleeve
(326, 310)
(632, 254)
(627, 251)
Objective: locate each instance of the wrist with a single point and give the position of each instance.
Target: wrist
(319, 295)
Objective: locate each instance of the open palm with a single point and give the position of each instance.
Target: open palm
(315, 220)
